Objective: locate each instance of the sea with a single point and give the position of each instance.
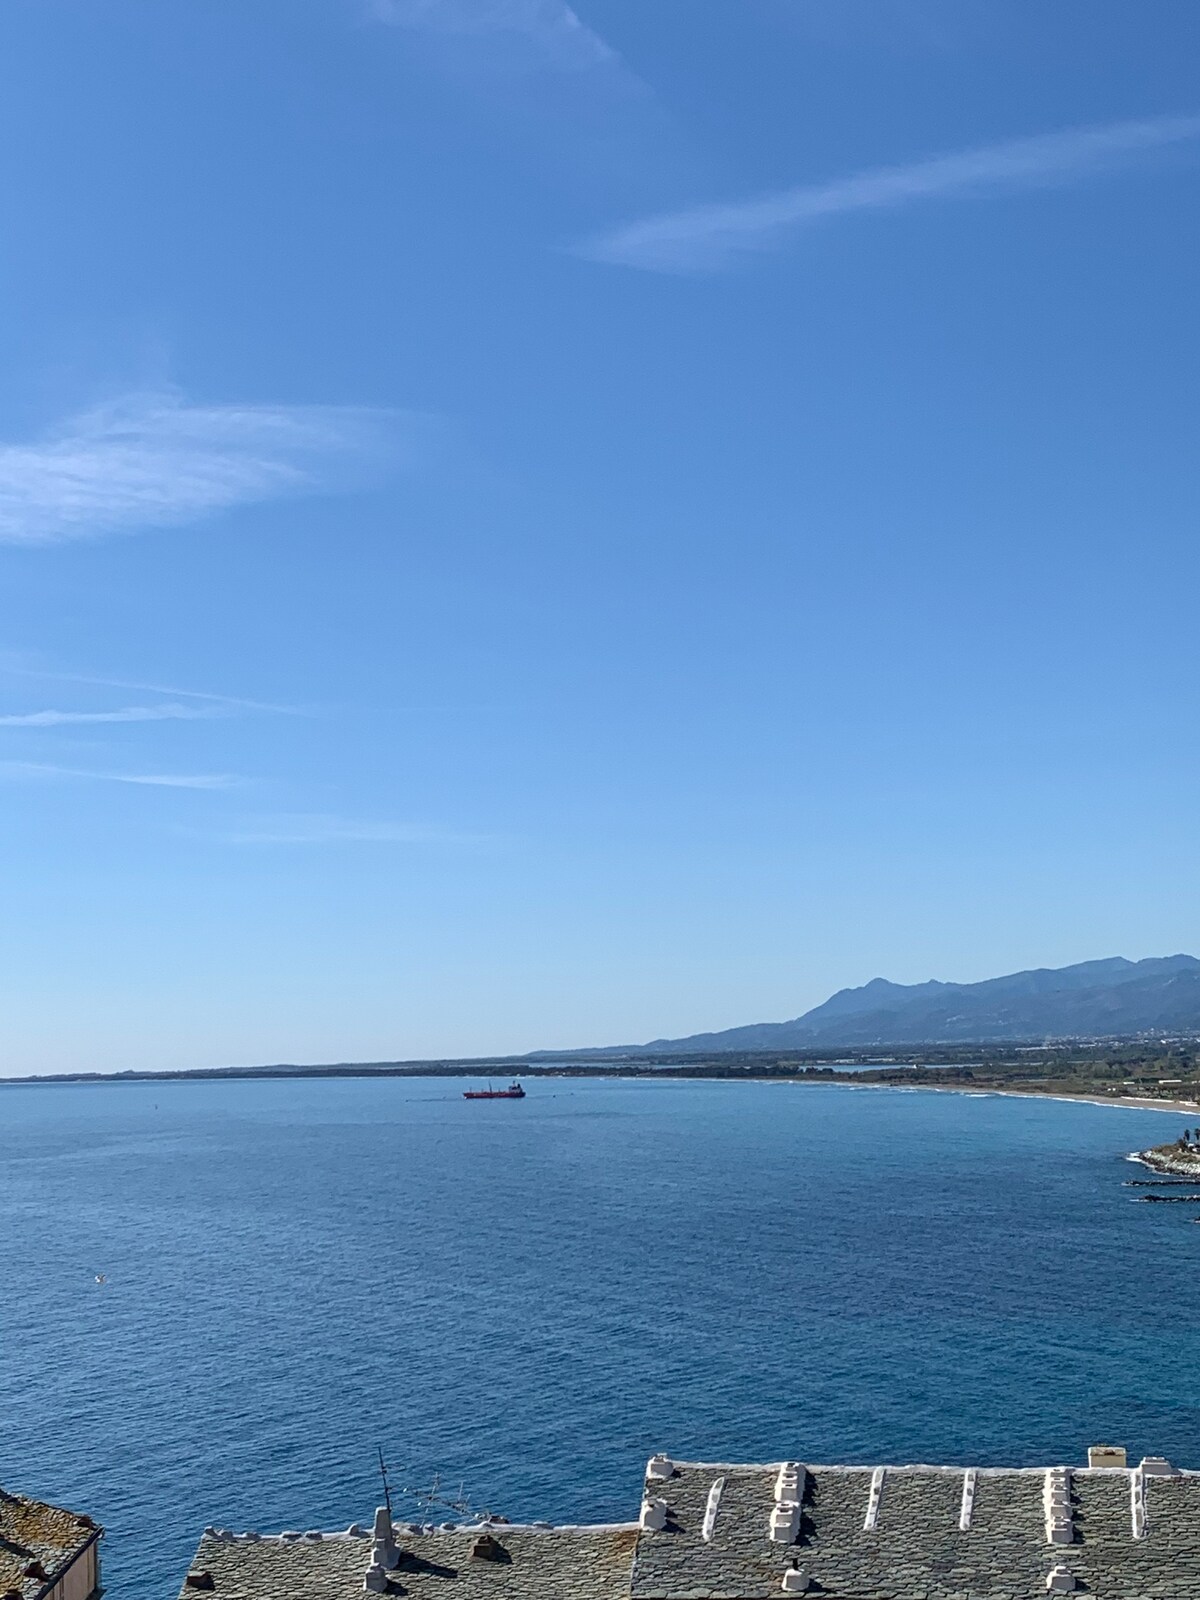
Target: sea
(517, 1302)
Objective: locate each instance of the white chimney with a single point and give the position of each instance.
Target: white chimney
(785, 1523)
(654, 1515)
(787, 1484)
(384, 1554)
(1056, 1500)
(784, 1527)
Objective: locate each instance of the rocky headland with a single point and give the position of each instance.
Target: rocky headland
(1179, 1159)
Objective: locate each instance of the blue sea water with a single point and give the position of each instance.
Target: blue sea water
(533, 1297)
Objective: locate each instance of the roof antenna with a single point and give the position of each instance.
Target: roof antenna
(387, 1493)
(459, 1503)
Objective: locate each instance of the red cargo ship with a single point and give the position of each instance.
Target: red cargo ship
(513, 1092)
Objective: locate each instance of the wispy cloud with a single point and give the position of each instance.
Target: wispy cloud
(166, 712)
(151, 460)
(712, 236)
(550, 27)
(221, 703)
(158, 780)
(307, 828)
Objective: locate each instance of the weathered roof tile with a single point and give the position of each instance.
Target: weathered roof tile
(910, 1547)
(37, 1541)
(590, 1563)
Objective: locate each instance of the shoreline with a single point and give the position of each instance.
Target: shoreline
(1150, 1159)
(1157, 1160)
(847, 1081)
(1119, 1103)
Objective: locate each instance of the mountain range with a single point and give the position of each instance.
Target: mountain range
(1093, 998)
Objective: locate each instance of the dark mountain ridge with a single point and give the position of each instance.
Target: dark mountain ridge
(1091, 999)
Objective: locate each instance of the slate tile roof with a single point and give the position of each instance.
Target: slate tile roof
(36, 1536)
(917, 1549)
(589, 1563)
(894, 1533)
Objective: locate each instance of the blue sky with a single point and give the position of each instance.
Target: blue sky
(525, 526)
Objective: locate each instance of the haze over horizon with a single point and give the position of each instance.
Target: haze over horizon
(529, 523)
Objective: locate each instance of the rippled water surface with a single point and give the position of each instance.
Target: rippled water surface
(532, 1297)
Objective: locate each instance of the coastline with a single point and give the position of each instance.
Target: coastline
(1180, 1107)
(1151, 1159)
(1129, 1103)
(1158, 1160)
(979, 1090)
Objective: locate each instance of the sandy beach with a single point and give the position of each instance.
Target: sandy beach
(1127, 1102)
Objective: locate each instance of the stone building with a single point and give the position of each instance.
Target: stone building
(46, 1553)
(723, 1532)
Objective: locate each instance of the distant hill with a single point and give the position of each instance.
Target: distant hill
(1094, 998)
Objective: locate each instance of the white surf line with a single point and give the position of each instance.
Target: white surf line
(1182, 1108)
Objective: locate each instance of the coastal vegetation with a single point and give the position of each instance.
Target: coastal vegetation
(1180, 1158)
(1132, 1070)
